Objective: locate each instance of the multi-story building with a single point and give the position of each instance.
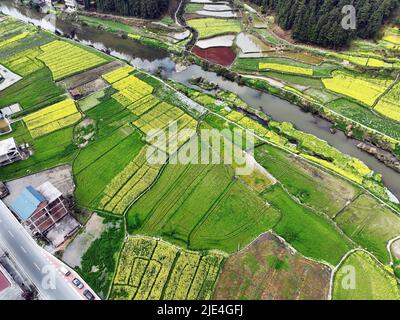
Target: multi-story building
(40, 208)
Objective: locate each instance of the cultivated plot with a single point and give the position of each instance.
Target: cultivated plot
(268, 270)
(151, 269)
(361, 277)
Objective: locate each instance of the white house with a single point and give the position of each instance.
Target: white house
(9, 152)
(70, 5)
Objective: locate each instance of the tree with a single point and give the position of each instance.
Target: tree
(149, 9)
(319, 21)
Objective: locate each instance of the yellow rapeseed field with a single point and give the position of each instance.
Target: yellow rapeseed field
(209, 27)
(285, 68)
(52, 118)
(388, 109)
(14, 39)
(118, 74)
(358, 88)
(65, 59)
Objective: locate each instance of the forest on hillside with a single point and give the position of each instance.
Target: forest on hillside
(149, 9)
(319, 21)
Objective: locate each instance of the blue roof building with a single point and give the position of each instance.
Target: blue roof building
(27, 202)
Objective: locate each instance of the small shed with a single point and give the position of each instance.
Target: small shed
(76, 94)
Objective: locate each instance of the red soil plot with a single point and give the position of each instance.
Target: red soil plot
(4, 283)
(221, 55)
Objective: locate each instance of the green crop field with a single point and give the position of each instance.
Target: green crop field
(209, 27)
(109, 25)
(370, 224)
(116, 145)
(366, 117)
(304, 228)
(314, 187)
(201, 207)
(372, 281)
(33, 91)
(193, 7)
(50, 150)
(295, 79)
(103, 254)
(253, 64)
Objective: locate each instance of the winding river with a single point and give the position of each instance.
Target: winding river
(153, 60)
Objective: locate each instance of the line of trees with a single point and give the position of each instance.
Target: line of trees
(148, 9)
(319, 21)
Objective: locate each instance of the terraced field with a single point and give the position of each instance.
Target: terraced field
(303, 228)
(130, 183)
(117, 143)
(312, 186)
(36, 89)
(150, 269)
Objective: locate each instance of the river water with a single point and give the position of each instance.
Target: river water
(153, 60)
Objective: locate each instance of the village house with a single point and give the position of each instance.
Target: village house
(9, 152)
(42, 209)
(70, 5)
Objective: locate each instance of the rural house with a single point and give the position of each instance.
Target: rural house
(9, 152)
(70, 4)
(42, 209)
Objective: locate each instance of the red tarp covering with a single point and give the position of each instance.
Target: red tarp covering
(220, 55)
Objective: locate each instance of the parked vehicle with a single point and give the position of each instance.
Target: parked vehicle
(89, 295)
(77, 283)
(65, 271)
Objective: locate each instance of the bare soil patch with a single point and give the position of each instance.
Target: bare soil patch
(91, 87)
(269, 270)
(77, 248)
(89, 76)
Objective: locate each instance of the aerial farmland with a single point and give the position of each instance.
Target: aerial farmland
(118, 126)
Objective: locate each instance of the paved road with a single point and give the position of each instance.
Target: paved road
(33, 259)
